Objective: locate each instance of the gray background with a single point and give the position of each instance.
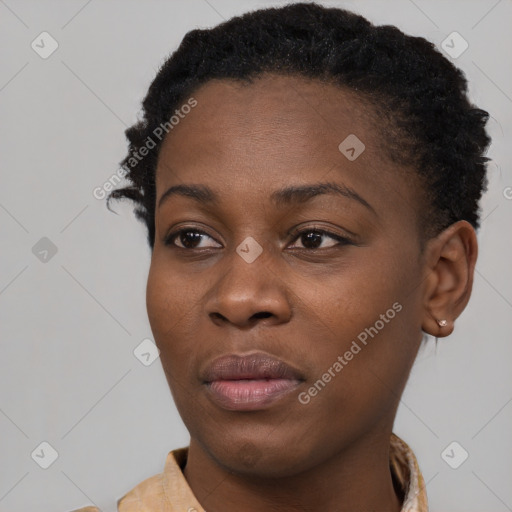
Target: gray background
(69, 325)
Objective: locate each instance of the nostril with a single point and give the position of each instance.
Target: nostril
(262, 314)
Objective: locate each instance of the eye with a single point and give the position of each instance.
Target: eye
(189, 238)
(311, 238)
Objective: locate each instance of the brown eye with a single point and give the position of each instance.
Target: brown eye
(188, 239)
(313, 238)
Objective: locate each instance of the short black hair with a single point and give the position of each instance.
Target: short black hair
(418, 94)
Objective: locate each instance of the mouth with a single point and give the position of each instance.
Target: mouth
(250, 382)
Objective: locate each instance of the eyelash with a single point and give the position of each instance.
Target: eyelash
(169, 239)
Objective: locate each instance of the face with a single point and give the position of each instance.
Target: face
(284, 289)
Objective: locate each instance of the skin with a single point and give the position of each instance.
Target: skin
(244, 142)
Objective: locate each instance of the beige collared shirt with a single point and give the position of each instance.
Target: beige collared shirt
(169, 491)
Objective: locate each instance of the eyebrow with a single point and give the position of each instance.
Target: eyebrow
(282, 197)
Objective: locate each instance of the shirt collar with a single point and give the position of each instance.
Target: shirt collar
(406, 471)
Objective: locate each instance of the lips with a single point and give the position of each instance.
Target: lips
(249, 382)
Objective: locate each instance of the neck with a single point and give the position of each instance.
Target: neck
(358, 478)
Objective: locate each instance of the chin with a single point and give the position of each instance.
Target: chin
(261, 459)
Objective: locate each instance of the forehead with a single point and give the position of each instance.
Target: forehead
(279, 130)
(287, 117)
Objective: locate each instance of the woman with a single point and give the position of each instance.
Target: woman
(310, 186)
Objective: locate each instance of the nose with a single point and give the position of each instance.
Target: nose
(247, 294)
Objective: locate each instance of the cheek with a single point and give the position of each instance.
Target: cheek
(349, 298)
(158, 300)
(367, 315)
(168, 303)
(175, 301)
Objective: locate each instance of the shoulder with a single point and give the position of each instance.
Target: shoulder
(163, 492)
(154, 493)
(86, 509)
(148, 493)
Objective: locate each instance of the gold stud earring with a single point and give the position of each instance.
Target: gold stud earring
(442, 323)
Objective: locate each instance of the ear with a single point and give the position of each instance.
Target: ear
(450, 260)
